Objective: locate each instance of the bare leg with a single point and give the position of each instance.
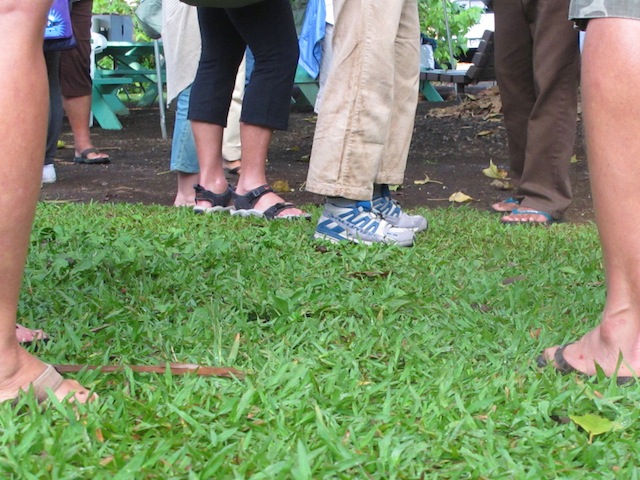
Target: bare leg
(78, 111)
(255, 146)
(255, 149)
(609, 93)
(185, 196)
(23, 101)
(208, 137)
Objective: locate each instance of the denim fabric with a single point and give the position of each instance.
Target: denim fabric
(311, 35)
(183, 147)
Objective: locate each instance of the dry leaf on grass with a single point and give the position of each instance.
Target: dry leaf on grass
(595, 424)
(460, 197)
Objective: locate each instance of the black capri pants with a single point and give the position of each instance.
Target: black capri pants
(267, 28)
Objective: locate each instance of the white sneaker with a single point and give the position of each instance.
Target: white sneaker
(49, 174)
(359, 224)
(391, 211)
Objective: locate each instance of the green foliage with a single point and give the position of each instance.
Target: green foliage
(121, 7)
(432, 21)
(433, 24)
(363, 362)
(113, 6)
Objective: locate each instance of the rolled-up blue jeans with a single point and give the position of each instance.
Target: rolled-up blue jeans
(183, 149)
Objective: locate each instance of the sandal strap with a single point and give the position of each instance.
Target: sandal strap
(273, 211)
(249, 199)
(86, 152)
(216, 199)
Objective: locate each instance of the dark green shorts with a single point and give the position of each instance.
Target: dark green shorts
(581, 11)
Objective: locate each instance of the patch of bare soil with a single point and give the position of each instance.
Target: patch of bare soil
(452, 144)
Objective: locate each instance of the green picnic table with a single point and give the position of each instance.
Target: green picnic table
(128, 60)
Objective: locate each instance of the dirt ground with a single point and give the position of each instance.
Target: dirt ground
(452, 144)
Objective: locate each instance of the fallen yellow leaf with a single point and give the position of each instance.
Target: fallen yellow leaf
(574, 159)
(484, 133)
(502, 184)
(595, 424)
(494, 172)
(460, 197)
(425, 181)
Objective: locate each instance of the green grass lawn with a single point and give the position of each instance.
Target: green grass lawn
(362, 362)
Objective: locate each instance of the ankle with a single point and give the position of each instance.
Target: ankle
(617, 329)
(218, 186)
(18, 369)
(342, 202)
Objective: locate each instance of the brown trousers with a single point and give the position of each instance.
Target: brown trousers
(537, 66)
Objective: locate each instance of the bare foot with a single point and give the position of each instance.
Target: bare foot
(506, 205)
(593, 349)
(29, 373)
(268, 199)
(91, 155)
(184, 202)
(27, 335)
(523, 215)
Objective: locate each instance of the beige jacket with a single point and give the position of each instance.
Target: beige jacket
(182, 45)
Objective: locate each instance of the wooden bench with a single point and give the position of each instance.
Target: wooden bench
(482, 68)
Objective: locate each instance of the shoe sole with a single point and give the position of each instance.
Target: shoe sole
(202, 210)
(322, 236)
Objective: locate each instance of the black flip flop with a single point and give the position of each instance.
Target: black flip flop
(562, 366)
(84, 157)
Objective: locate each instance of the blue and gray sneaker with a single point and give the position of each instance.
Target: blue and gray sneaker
(359, 223)
(391, 211)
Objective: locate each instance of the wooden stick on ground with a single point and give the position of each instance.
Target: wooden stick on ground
(174, 368)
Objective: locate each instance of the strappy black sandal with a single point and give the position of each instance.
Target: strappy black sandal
(244, 205)
(220, 202)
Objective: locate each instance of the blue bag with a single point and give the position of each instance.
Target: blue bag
(58, 34)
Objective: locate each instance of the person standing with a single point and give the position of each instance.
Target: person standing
(76, 84)
(610, 96)
(23, 101)
(181, 45)
(365, 123)
(537, 61)
(267, 28)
